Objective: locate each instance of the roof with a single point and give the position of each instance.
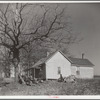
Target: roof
(74, 61)
(81, 62)
(43, 60)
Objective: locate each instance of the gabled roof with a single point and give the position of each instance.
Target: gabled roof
(81, 62)
(73, 61)
(43, 60)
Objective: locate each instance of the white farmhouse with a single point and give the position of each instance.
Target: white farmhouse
(57, 63)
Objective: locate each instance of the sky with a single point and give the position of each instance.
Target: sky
(85, 20)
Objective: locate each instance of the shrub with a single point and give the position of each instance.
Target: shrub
(71, 78)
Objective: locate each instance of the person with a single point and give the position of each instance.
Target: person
(61, 79)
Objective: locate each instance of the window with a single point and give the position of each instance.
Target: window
(78, 72)
(59, 70)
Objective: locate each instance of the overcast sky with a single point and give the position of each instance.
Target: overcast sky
(86, 21)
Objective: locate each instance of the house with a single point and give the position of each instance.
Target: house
(57, 63)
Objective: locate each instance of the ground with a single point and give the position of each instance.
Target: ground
(53, 87)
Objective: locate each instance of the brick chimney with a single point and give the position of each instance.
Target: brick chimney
(83, 55)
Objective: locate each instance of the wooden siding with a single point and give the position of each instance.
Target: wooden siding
(84, 72)
(73, 70)
(58, 60)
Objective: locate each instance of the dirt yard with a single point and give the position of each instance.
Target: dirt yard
(52, 87)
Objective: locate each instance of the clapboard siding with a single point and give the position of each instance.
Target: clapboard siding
(73, 70)
(86, 72)
(58, 60)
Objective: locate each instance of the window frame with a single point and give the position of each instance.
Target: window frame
(59, 70)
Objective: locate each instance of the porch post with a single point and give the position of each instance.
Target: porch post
(34, 72)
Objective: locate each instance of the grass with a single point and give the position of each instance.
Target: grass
(52, 87)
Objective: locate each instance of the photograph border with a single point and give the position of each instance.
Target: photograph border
(51, 96)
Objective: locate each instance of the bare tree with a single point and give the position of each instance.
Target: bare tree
(22, 24)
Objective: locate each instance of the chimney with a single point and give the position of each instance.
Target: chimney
(82, 55)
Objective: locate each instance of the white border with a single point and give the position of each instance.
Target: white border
(49, 1)
(51, 96)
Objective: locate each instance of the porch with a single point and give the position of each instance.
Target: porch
(37, 72)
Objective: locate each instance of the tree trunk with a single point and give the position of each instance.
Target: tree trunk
(16, 74)
(16, 70)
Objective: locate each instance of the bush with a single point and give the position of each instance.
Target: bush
(71, 78)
